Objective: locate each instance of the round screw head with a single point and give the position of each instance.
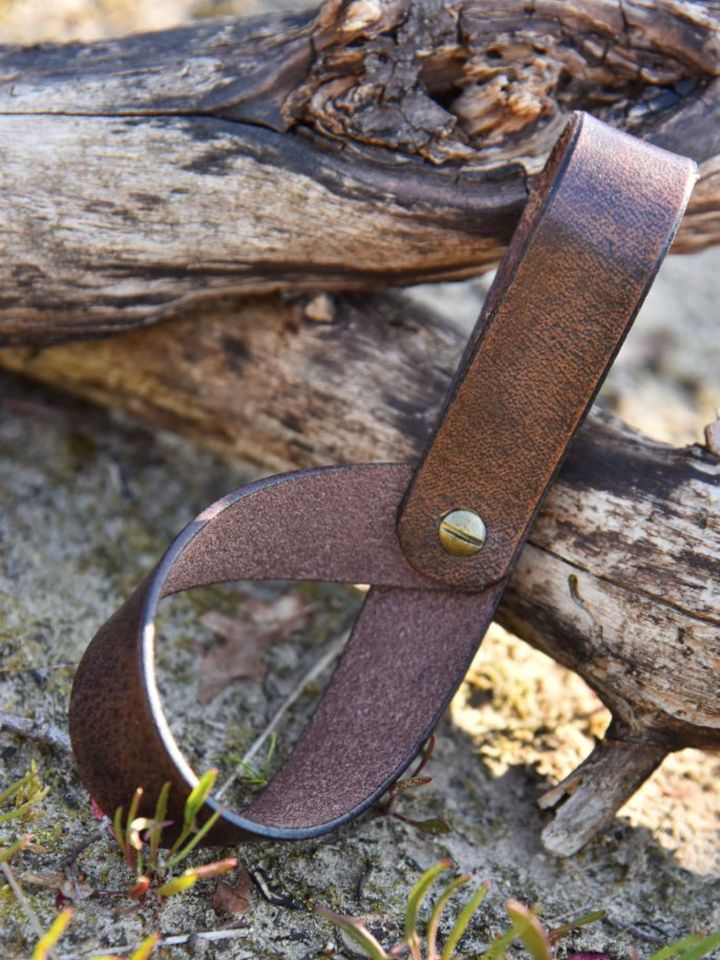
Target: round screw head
(462, 533)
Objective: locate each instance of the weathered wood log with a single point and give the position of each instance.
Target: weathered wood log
(374, 143)
(620, 578)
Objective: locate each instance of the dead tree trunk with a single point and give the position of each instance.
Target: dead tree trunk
(619, 579)
(374, 143)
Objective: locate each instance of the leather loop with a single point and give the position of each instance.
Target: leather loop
(586, 250)
(408, 652)
(583, 256)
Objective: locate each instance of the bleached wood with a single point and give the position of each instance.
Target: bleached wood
(374, 144)
(370, 145)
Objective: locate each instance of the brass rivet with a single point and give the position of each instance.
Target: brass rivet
(462, 533)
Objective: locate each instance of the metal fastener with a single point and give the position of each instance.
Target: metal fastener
(462, 533)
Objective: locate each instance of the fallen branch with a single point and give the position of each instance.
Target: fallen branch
(619, 579)
(374, 143)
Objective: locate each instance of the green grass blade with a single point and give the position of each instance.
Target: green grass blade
(566, 928)
(178, 884)
(146, 947)
(435, 825)
(499, 947)
(529, 929)
(439, 906)
(694, 948)
(251, 775)
(418, 894)
(130, 855)
(118, 830)
(134, 805)
(50, 939)
(9, 792)
(7, 852)
(160, 813)
(464, 918)
(191, 876)
(257, 776)
(182, 837)
(193, 805)
(217, 868)
(673, 949)
(26, 806)
(190, 846)
(354, 930)
(198, 796)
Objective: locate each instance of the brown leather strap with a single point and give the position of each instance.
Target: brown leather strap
(576, 272)
(408, 652)
(580, 263)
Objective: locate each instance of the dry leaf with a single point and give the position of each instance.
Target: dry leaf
(243, 640)
(232, 897)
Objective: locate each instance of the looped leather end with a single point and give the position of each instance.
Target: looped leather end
(577, 270)
(408, 652)
(587, 248)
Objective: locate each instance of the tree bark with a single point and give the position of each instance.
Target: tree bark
(619, 578)
(374, 143)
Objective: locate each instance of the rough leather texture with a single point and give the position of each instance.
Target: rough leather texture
(580, 263)
(577, 270)
(409, 650)
(333, 524)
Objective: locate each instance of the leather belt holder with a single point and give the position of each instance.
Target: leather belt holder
(436, 541)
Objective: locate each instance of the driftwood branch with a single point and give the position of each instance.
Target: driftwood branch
(374, 143)
(619, 580)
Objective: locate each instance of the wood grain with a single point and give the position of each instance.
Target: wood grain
(370, 144)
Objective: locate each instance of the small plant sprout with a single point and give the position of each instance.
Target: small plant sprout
(23, 798)
(139, 953)
(7, 852)
(49, 941)
(139, 839)
(694, 947)
(412, 941)
(26, 794)
(434, 825)
(565, 929)
(258, 777)
(525, 928)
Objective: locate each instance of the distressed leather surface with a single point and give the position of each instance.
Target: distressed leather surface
(409, 650)
(579, 265)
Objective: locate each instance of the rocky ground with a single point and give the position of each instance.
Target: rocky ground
(88, 499)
